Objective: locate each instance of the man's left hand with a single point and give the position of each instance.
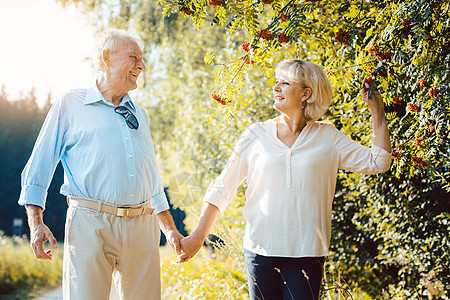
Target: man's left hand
(170, 230)
(173, 238)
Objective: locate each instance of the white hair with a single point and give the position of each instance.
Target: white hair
(109, 40)
(309, 75)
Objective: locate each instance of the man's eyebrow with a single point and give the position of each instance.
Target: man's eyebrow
(135, 52)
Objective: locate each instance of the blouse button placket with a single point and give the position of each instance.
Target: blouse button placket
(288, 168)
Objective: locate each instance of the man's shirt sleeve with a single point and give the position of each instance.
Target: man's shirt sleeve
(158, 200)
(48, 149)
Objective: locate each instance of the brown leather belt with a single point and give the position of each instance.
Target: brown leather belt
(117, 210)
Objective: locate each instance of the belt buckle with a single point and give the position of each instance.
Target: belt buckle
(123, 211)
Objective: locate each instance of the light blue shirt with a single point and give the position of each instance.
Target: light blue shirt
(102, 157)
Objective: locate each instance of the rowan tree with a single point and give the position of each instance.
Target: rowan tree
(217, 58)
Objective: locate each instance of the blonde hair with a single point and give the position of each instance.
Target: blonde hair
(109, 40)
(312, 76)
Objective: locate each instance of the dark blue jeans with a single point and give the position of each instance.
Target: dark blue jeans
(283, 278)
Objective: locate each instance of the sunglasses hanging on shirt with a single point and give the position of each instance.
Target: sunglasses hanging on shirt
(131, 120)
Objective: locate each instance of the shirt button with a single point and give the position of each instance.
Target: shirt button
(127, 139)
(123, 124)
(131, 156)
(131, 175)
(131, 195)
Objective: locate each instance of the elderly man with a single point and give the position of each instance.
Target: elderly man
(112, 182)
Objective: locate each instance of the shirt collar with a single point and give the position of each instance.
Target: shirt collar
(126, 100)
(94, 95)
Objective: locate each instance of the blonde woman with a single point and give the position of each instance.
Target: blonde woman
(291, 163)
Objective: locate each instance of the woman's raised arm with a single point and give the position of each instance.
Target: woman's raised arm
(372, 97)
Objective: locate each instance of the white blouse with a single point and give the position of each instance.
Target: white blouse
(290, 190)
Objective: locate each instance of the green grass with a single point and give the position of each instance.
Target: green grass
(218, 275)
(21, 273)
(206, 276)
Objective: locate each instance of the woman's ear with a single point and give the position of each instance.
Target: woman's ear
(306, 94)
(106, 55)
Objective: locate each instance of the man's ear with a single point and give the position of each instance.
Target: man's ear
(106, 55)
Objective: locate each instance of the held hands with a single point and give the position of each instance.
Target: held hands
(190, 245)
(185, 247)
(39, 235)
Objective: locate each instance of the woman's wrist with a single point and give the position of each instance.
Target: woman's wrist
(378, 114)
(199, 235)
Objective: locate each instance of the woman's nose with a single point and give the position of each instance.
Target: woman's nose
(276, 87)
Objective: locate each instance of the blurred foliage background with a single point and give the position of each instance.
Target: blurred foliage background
(19, 276)
(390, 231)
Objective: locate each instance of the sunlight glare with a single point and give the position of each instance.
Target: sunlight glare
(45, 46)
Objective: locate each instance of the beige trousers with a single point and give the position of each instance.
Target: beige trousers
(100, 246)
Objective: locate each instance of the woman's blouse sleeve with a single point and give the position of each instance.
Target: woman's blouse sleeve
(223, 189)
(357, 158)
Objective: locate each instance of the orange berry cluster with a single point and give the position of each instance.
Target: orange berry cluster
(248, 61)
(375, 51)
(422, 83)
(418, 141)
(433, 93)
(397, 100)
(418, 160)
(218, 99)
(283, 38)
(407, 25)
(215, 2)
(341, 36)
(186, 10)
(396, 154)
(414, 108)
(246, 47)
(267, 35)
